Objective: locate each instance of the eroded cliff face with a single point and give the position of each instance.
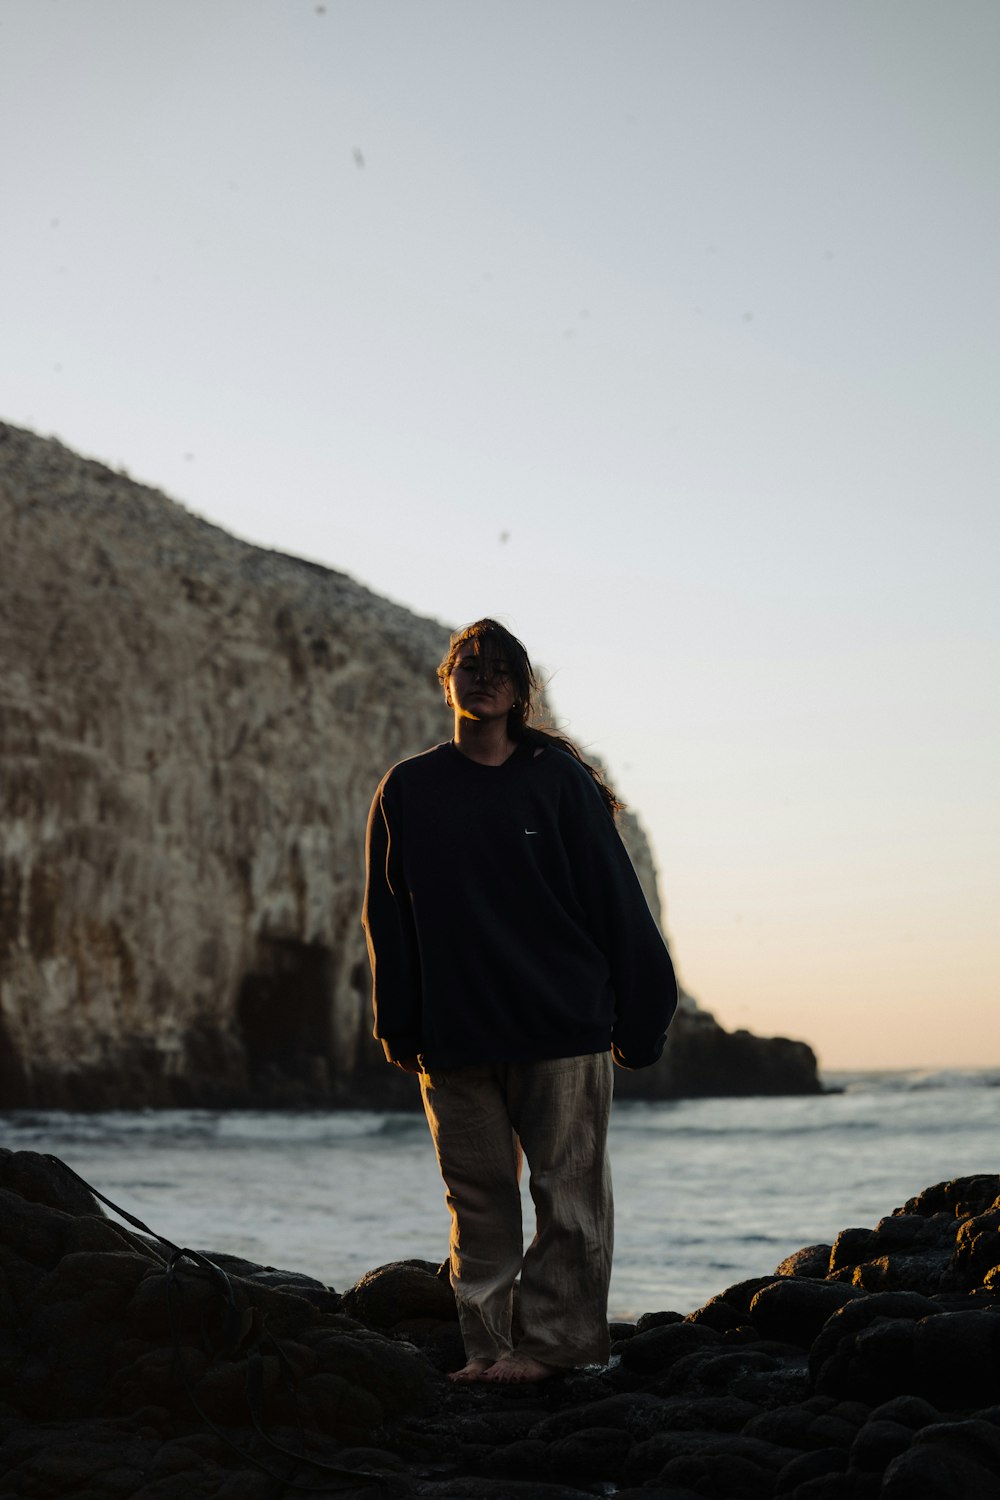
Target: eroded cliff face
(191, 729)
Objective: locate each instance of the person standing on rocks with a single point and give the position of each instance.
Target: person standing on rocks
(513, 957)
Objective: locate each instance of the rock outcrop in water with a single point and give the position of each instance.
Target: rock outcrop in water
(865, 1370)
(191, 729)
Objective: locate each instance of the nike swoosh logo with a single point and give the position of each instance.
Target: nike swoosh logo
(531, 830)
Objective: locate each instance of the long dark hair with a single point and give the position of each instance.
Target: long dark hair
(503, 655)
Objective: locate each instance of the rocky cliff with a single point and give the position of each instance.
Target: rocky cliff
(190, 732)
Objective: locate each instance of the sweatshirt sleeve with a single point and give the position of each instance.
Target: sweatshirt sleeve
(623, 926)
(391, 935)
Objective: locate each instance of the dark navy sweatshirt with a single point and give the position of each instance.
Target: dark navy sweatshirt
(504, 919)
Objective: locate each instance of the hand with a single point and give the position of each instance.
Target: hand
(408, 1064)
(635, 1060)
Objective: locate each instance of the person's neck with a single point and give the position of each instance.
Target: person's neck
(485, 741)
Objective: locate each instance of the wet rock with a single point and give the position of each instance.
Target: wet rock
(440, 1343)
(108, 1334)
(57, 1459)
(657, 1320)
(878, 1442)
(655, 1349)
(638, 1414)
(815, 1464)
(959, 1198)
(907, 1251)
(948, 1461)
(618, 1331)
(595, 1453)
(304, 1287)
(741, 1294)
(851, 1248)
(796, 1309)
(788, 1382)
(44, 1179)
(710, 1372)
(653, 1458)
(496, 1428)
(957, 1359)
(814, 1424)
(909, 1411)
(396, 1294)
(912, 1232)
(38, 1234)
(295, 1282)
(706, 1414)
(736, 1468)
(924, 1272)
(950, 1359)
(720, 1315)
(856, 1315)
(525, 1458)
(977, 1248)
(660, 1492)
(481, 1487)
(790, 1386)
(812, 1261)
(392, 1373)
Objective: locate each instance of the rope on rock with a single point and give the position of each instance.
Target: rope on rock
(240, 1326)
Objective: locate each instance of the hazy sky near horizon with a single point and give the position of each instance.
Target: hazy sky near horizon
(667, 330)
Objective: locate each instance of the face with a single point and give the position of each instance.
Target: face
(475, 695)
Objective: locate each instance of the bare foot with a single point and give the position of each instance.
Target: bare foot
(474, 1370)
(518, 1369)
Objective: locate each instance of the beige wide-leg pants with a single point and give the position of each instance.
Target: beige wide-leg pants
(557, 1110)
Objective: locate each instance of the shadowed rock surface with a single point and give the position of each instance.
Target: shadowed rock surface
(191, 730)
(123, 1380)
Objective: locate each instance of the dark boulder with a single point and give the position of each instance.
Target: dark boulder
(947, 1461)
(977, 1248)
(45, 1179)
(815, 1424)
(655, 1349)
(636, 1413)
(857, 1314)
(720, 1315)
(481, 1487)
(657, 1320)
(812, 1261)
(720, 1372)
(851, 1248)
(794, 1386)
(109, 1333)
(706, 1414)
(912, 1232)
(795, 1310)
(959, 1198)
(923, 1272)
(815, 1464)
(878, 1442)
(595, 1453)
(741, 1294)
(951, 1359)
(702, 1458)
(400, 1293)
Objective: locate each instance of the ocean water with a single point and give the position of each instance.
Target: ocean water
(707, 1191)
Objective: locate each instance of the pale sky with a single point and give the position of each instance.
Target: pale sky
(667, 330)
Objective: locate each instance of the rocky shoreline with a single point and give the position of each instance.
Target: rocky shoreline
(864, 1370)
